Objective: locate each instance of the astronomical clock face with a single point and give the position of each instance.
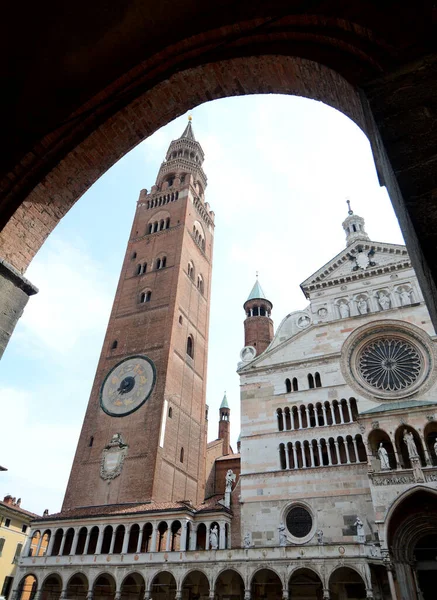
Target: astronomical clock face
(127, 386)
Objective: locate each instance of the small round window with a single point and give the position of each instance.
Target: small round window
(299, 522)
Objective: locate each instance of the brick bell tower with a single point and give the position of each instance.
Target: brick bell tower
(144, 433)
(258, 326)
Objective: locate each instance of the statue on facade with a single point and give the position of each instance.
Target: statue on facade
(435, 447)
(282, 535)
(230, 478)
(246, 541)
(360, 530)
(405, 297)
(213, 538)
(411, 444)
(384, 300)
(383, 457)
(343, 307)
(319, 535)
(362, 306)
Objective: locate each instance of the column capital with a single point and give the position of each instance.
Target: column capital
(326, 594)
(89, 595)
(247, 594)
(178, 595)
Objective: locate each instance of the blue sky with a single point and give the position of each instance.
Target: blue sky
(279, 171)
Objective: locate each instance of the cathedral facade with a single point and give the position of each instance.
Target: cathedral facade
(332, 491)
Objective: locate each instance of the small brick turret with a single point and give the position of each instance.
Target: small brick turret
(258, 326)
(224, 431)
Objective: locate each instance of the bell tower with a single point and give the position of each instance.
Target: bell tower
(144, 432)
(258, 326)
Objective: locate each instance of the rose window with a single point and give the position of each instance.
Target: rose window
(389, 364)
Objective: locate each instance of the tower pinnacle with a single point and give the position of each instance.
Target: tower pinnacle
(353, 226)
(258, 326)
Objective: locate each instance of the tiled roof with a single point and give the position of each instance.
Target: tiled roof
(229, 457)
(18, 509)
(399, 405)
(132, 509)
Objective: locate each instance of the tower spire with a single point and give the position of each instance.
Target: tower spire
(353, 227)
(258, 326)
(224, 431)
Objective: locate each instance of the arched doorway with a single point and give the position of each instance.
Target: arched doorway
(104, 587)
(27, 588)
(163, 586)
(266, 585)
(133, 587)
(77, 587)
(412, 540)
(229, 584)
(195, 586)
(51, 588)
(345, 583)
(305, 583)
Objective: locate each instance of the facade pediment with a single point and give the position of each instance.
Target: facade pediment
(360, 260)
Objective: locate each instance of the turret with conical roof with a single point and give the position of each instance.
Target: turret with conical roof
(258, 326)
(224, 432)
(353, 226)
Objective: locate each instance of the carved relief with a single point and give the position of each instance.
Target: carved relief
(343, 308)
(383, 299)
(405, 294)
(362, 304)
(113, 458)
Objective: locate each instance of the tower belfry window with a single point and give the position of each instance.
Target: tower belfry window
(190, 346)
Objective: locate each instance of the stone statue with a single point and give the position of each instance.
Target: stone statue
(383, 457)
(282, 535)
(230, 478)
(362, 306)
(213, 538)
(360, 530)
(411, 444)
(384, 300)
(343, 307)
(435, 447)
(405, 297)
(319, 535)
(246, 541)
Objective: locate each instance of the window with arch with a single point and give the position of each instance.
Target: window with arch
(114, 345)
(91, 441)
(181, 456)
(200, 285)
(295, 385)
(158, 263)
(167, 223)
(310, 381)
(190, 270)
(134, 255)
(190, 346)
(145, 297)
(317, 380)
(180, 320)
(139, 269)
(170, 412)
(287, 385)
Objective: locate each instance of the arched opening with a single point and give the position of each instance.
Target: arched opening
(361, 449)
(77, 587)
(107, 539)
(317, 380)
(201, 537)
(310, 381)
(133, 587)
(287, 385)
(409, 444)
(104, 587)
(163, 586)
(412, 539)
(430, 437)
(68, 542)
(147, 537)
(279, 419)
(119, 538)
(195, 586)
(36, 537)
(181, 455)
(295, 384)
(176, 530)
(304, 583)
(229, 584)
(266, 584)
(346, 583)
(81, 540)
(57, 542)
(92, 544)
(134, 535)
(286, 415)
(45, 543)
(27, 588)
(382, 450)
(190, 346)
(51, 588)
(161, 542)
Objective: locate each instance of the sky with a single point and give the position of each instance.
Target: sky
(279, 169)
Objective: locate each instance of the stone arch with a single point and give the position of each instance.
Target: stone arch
(27, 587)
(430, 438)
(132, 586)
(266, 582)
(104, 586)
(229, 582)
(377, 437)
(402, 447)
(77, 586)
(305, 581)
(163, 586)
(195, 583)
(346, 582)
(51, 587)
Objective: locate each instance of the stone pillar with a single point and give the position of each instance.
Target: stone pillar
(125, 539)
(184, 536)
(296, 466)
(325, 418)
(29, 543)
(346, 449)
(14, 294)
(61, 547)
(247, 594)
(284, 593)
(100, 540)
(222, 537)
(169, 536)
(326, 594)
(153, 542)
(311, 454)
(349, 409)
(299, 416)
(147, 595)
(87, 541)
(340, 411)
(211, 594)
(287, 456)
(337, 452)
(111, 547)
(117, 595)
(193, 537)
(307, 411)
(89, 594)
(328, 450)
(75, 541)
(140, 539)
(354, 442)
(334, 422)
(63, 595)
(51, 543)
(319, 448)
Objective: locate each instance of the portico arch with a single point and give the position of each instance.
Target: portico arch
(52, 587)
(132, 587)
(345, 583)
(229, 583)
(195, 586)
(266, 583)
(305, 583)
(104, 587)
(27, 587)
(163, 586)
(77, 587)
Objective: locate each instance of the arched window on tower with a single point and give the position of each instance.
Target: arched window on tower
(181, 457)
(150, 228)
(139, 269)
(318, 380)
(190, 346)
(167, 223)
(200, 286)
(287, 385)
(163, 262)
(310, 381)
(190, 270)
(144, 269)
(295, 385)
(158, 264)
(114, 345)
